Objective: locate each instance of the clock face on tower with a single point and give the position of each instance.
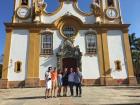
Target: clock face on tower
(23, 12)
(111, 13)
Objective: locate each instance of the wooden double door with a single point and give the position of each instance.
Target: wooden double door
(69, 63)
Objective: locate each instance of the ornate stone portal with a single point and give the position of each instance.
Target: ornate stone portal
(67, 50)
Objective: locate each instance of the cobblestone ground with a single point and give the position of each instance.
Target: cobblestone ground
(91, 96)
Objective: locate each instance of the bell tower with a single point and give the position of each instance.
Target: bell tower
(112, 11)
(23, 11)
(107, 11)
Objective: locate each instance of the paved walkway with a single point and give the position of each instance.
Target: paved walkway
(91, 96)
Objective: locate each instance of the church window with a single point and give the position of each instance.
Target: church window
(118, 65)
(46, 44)
(24, 2)
(18, 65)
(69, 31)
(110, 3)
(90, 43)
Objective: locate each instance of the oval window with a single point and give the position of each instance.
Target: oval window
(69, 31)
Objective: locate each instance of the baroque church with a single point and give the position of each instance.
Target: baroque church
(96, 42)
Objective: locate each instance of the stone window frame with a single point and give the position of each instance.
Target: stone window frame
(49, 51)
(92, 51)
(18, 69)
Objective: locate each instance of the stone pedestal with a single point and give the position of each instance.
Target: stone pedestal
(102, 81)
(132, 81)
(32, 82)
(109, 81)
(4, 84)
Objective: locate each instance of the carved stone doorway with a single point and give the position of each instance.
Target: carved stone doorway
(68, 56)
(69, 63)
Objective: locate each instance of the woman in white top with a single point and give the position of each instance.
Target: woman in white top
(48, 82)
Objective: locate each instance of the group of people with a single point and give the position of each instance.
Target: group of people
(56, 80)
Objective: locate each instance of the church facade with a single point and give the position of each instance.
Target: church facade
(97, 42)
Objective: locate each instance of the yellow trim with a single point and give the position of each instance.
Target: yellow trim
(33, 54)
(6, 54)
(106, 54)
(100, 54)
(57, 25)
(128, 54)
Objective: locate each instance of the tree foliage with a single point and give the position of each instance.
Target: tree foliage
(0, 70)
(135, 50)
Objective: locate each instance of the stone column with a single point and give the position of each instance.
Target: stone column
(32, 79)
(131, 78)
(4, 81)
(100, 57)
(108, 78)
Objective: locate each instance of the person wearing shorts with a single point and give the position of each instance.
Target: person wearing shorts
(54, 82)
(59, 81)
(48, 83)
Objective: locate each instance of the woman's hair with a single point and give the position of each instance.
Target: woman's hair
(59, 71)
(49, 68)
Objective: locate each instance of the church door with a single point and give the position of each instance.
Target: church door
(69, 63)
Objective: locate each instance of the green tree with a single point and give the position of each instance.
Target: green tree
(0, 70)
(135, 50)
(1, 61)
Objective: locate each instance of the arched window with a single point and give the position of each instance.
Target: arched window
(47, 43)
(110, 3)
(24, 2)
(18, 65)
(90, 43)
(118, 65)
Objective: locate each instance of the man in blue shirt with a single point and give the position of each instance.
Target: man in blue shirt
(71, 80)
(78, 82)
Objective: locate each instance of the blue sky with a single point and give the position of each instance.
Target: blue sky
(130, 13)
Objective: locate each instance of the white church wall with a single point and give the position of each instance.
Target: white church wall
(18, 52)
(90, 66)
(68, 8)
(116, 52)
(50, 61)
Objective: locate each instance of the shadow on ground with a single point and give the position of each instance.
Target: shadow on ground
(124, 88)
(28, 98)
(123, 104)
(131, 95)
